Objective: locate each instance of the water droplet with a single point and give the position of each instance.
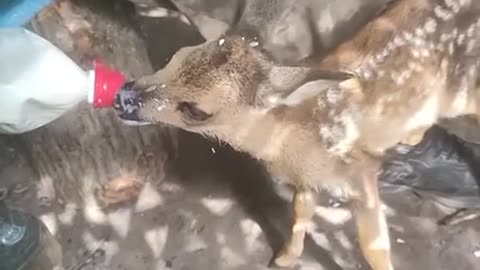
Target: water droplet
(254, 43)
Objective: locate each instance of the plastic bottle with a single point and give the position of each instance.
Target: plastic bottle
(38, 82)
(26, 243)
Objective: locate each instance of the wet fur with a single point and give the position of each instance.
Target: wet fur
(415, 64)
(378, 98)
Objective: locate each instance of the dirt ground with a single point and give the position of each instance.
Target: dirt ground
(211, 208)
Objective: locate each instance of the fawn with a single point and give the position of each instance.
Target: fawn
(327, 121)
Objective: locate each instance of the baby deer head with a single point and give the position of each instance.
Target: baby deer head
(218, 84)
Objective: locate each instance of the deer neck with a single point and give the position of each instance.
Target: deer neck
(260, 133)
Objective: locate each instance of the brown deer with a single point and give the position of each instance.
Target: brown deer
(327, 122)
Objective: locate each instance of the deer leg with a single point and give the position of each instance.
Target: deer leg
(372, 226)
(303, 211)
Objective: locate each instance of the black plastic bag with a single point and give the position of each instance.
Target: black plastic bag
(442, 165)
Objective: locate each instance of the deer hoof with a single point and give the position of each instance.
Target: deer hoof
(285, 259)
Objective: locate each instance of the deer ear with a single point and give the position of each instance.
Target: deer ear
(292, 84)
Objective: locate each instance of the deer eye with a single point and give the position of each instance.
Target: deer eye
(190, 110)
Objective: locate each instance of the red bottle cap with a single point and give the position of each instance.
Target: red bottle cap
(104, 84)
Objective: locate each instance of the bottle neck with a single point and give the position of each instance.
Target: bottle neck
(11, 229)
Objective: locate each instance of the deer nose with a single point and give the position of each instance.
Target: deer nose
(128, 102)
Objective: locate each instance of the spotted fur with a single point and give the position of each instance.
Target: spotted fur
(328, 121)
(417, 73)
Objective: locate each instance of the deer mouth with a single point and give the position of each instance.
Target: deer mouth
(128, 104)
